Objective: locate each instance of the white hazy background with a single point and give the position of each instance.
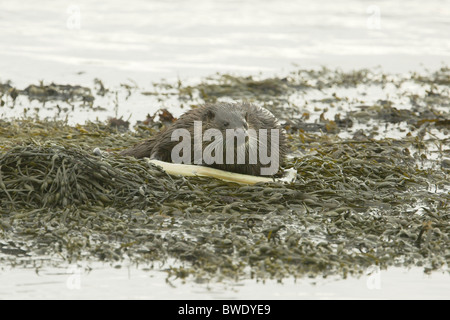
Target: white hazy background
(77, 41)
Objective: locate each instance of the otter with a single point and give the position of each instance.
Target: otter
(243, 119)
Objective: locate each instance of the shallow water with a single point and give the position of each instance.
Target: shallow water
(141, 42)
(150, 40)
(106, 282)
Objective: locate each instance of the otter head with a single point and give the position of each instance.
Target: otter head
(226, 118)
(231, 121)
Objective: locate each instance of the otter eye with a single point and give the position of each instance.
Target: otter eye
(226, 124)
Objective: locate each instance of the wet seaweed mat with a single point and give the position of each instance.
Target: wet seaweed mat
(359, 200)
(344, 214)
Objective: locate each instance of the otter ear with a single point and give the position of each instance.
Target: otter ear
(208, 115)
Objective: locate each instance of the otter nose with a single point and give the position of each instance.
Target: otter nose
(241, 136)
(241, 132)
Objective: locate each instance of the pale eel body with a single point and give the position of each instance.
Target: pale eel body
(194, 170)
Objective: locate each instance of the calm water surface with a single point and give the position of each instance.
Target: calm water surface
(149, 40)
(106, 282)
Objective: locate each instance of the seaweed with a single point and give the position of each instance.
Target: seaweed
(358, 200)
